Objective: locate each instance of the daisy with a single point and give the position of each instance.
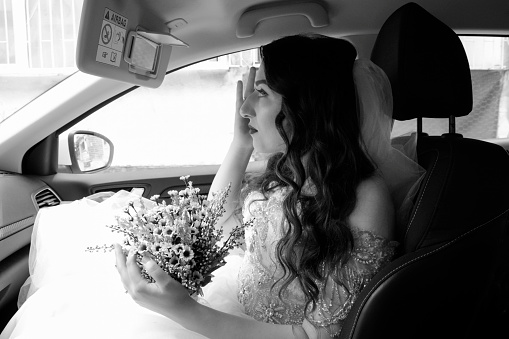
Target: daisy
(156, 247)
(142, 247)
(167, 232)
(174, 261)
(187, 253)
(178, 248)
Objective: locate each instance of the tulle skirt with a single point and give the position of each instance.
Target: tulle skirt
(72, 293)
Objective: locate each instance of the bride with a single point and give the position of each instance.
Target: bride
(324, 214)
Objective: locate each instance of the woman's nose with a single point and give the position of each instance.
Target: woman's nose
(247, 110)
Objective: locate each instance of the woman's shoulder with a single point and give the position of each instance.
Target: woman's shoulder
(374, 210)
(373, 186)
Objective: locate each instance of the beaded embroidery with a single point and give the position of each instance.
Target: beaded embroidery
(260, 270)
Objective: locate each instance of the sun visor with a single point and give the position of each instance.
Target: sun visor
(121, 41)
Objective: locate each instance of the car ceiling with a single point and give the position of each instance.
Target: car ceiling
(217, 24)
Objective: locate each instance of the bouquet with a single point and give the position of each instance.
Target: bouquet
(181, 236)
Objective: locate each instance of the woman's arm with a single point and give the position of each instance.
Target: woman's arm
(169, 298)
(234, 165)
(374, 210)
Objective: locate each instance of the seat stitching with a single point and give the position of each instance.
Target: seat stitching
(415, 259)
(420, 200)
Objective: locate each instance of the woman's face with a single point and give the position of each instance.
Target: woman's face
(261, 108)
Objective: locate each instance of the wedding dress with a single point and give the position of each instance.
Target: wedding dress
(260, 269)
(72, 293)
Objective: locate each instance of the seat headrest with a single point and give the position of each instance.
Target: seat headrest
(426, 65)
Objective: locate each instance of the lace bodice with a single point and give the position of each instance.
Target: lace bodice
(260, 269)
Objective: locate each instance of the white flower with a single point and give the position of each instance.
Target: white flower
(142, 247)
(178, 248)
(156, 247)
(174, 261)
(187, 253)
(167, 231)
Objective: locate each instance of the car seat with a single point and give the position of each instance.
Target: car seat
(451, 277)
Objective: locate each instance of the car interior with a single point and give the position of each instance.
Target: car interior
(451, 276)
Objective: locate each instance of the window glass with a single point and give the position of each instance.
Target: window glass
(37, 48)
(188, 120)
(489, 62)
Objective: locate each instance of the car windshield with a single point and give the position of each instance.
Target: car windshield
(37, 48)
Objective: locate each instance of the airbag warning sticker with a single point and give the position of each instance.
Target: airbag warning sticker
(112, 38)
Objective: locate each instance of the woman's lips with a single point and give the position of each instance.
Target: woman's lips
(252, 130)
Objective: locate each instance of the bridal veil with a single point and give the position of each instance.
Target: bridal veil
(397, 164)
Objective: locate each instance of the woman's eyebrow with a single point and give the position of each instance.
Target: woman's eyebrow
(262, 81)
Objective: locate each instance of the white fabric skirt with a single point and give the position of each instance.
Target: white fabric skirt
(72, 293)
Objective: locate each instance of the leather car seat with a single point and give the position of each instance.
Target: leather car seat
(451, 278)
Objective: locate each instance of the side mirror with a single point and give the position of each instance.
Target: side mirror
(89, 151)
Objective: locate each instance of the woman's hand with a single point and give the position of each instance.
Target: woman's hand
(241, 134)
(233, 167)
(169, 298)
(166, 296)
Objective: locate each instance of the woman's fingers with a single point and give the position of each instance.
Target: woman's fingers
(241, 129)
(134, 271)
(121, 265)
(239, 95)
(156, 272)
(250, 82)
(130, 273)
(167, 288)
(162, 296)
(119, 257)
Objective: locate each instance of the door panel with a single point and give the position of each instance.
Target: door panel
(154, 181)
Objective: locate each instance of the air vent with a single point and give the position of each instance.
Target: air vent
(46, 198)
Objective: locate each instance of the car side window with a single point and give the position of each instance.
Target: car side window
(489, 63)
(188, 120)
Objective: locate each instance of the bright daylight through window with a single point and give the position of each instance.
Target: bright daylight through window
(489, 62)
(37, 48)
(190, 114)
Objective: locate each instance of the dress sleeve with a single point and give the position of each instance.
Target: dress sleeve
(369, 255)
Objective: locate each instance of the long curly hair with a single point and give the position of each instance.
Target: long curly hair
(324, 153)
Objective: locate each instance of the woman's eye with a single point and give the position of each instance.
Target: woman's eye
(261, 92)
